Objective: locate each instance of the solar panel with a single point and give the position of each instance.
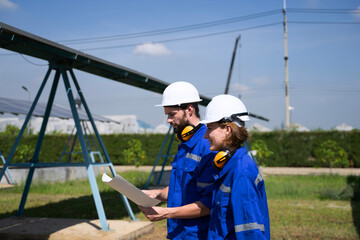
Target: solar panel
(16, 106)
(23, 42)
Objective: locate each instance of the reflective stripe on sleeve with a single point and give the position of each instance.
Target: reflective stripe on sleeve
(225, 188)
(258, 179)
(193, 157)
(202, 184)
(249, 226)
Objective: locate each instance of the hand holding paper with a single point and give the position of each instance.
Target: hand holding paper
(129, 190)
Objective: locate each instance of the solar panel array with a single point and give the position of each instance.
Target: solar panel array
(16, 106)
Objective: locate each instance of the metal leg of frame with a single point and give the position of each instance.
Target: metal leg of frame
(35, 157)
(165, 158)
(102, 146)
(89, 168)
(124, 199)
(25, 124)
(7, 169)
(158, 157)
(248, 149)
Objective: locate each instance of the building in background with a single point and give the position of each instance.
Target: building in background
(258, 128)
(343, 127)
(120, 124)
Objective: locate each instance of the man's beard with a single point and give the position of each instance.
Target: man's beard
(183, 123)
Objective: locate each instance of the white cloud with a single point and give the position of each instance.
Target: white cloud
(261, 80)
(153, 49)
(356, 13)
(240, 88)
(7, 4)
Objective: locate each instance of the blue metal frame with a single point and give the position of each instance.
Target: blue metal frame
(61, 70)
(102, 146)
(160, 154)
(7, 169)
(67, 144)
(7, 163)
(35, 157)
(248, 149)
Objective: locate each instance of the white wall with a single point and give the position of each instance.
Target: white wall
(123, 124)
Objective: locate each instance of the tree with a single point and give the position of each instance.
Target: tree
(330, 152)
(261, 150)
(134, 153)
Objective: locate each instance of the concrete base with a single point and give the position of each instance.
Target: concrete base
(74, 229)
(50, 174)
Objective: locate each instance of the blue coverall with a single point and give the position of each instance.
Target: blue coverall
(239, 206)
(191, 175)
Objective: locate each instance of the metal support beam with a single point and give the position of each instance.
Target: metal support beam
(102, 146)
(249, 151)
(7, 169)
(90, 171)
(61, 70)
(35, 157)
(160, 154)
(166, 158)
(25, 124)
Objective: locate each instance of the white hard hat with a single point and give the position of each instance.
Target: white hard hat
(178, 93)
(227, 108)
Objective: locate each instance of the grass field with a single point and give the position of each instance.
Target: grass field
(300, 207)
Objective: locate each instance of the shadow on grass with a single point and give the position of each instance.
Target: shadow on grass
(355, 200)
(80, 208)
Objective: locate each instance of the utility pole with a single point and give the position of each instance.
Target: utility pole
(231, 65)
(287, 104)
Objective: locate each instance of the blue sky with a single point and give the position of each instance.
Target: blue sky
(323, 47)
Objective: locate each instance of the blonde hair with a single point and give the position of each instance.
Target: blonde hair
(238, 135)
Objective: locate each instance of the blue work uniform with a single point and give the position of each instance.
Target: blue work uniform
(191, 176)
(239, 206)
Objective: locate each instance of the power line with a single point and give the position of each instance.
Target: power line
(173, 29)
(215, 34)
(185, 38)
(323, 10)
(36, 64)
(206, 25)
(322, 22)
(203, 25)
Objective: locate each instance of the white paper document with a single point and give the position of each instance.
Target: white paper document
(129, 190)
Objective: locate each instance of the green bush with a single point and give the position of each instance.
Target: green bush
(262, 151)
(329, 152)
(290, 149)
(134, 153)
(24, 152)
(297, 149)
(11, 130)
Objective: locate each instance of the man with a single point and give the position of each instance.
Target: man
(187, 196)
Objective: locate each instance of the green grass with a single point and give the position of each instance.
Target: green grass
(72, 199)
(300, 207)
(314, 207)
(310, 187)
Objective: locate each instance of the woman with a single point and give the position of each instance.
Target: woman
(239, 206)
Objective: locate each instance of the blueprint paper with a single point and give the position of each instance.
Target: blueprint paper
(129, 190)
